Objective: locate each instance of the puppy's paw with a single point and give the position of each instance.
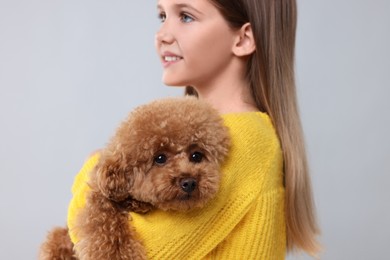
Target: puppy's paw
(136, 206)
(57, 246)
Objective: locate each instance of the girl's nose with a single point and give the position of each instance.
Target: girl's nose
(164, 37)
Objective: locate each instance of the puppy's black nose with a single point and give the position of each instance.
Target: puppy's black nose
(188, 184)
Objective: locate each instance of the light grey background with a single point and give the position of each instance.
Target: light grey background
(71, 70)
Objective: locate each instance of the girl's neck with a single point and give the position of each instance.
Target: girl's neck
(229, 97)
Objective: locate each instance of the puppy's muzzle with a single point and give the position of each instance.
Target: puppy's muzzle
(188, 184)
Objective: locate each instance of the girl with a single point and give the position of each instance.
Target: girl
(239, 56)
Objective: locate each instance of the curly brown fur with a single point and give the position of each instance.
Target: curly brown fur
(57, 246)
(166, 155)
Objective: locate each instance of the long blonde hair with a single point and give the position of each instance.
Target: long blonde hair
(270, 72)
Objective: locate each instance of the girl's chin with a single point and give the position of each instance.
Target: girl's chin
(174, 82)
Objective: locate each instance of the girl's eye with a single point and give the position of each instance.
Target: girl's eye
(185, 18)
(162, 17)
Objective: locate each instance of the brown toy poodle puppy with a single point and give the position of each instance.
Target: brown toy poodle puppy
(166, 155)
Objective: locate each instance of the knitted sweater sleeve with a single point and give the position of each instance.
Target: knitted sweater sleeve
(244, 221)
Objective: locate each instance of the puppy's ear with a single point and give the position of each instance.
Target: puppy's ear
(218, 144)
(113, 177)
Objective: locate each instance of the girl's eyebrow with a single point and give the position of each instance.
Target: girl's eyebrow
(182, 5)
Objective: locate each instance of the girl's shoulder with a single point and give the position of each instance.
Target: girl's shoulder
(252, 130)
(249, 120)
(255, 154)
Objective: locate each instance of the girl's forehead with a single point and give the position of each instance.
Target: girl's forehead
(181, 3)
(200, 7)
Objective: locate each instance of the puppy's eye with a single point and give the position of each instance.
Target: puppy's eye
(196, 157)
(160, 159)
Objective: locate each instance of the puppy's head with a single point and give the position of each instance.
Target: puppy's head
(167, 153)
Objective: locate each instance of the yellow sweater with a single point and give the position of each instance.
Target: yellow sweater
(246, 219)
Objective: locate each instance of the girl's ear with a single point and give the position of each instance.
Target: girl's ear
(245, 43)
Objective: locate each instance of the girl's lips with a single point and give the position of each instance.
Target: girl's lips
(169, 58)
(167, 63)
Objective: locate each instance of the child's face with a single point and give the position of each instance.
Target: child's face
(194, 42)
